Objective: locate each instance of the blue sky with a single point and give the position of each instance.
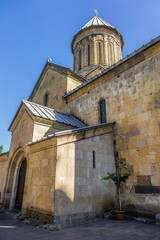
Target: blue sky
(32, 30)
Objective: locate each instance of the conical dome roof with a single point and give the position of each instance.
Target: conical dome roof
(97, 21)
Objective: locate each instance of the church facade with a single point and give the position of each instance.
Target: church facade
(76, 122)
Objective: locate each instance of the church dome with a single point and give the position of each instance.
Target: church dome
(97, 43)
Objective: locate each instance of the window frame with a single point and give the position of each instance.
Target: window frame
(99, 52)
(46, 97)
(102, 119)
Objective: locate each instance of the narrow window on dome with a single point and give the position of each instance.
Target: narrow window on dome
(88, 55)
(74, 62)
(80, 59)
(117, 55)
(46, 100)
(102, 106)
(110, 58)
(94, 160)
(99, 51)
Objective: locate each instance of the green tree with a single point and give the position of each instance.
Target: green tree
(1, 149)
(123, 172)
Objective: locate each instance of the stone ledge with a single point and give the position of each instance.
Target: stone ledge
(72, 219)
(137, 214)
(39, 216)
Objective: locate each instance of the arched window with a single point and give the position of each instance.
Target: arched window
(46, 100)
(102, 106)
(99, 51)
(80, 59)
(88, 55)
(110, 57)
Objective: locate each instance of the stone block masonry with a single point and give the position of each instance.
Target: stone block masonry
(132, 92)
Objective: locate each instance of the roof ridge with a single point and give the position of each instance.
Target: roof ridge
(47, 64)
(37, 104)
(41, 111)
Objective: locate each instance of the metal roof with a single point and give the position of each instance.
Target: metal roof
(48, 114)
(51, 114)
(97, 21)
(66, 132)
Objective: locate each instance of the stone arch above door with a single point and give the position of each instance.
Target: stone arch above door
(12, 179)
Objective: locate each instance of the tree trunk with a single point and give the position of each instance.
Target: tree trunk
(119, 198)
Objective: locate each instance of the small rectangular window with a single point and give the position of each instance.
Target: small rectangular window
(46, 100)
(94, 161)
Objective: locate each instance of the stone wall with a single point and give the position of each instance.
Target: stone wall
(79, 193)
(27, 128)
(54, 82)
(22, 131)
(40, 178)
(62, 181)
(132, 94)
(3, 174)
(44, 127)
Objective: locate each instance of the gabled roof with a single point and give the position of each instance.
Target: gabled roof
(49, 114)
(97, 21)
(99, 66)
(63, 69)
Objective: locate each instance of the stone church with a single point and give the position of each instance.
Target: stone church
(74, 124)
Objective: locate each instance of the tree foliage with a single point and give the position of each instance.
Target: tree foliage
(117, 177)
(1, 149)
(123, 172)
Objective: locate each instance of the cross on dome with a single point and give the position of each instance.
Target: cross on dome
(96, 12)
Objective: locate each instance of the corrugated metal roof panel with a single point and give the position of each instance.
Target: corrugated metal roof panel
(31, 108)
(53, 115)
(97, 21)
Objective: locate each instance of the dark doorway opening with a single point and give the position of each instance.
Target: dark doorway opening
(20, 186)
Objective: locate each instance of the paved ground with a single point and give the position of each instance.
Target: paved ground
(95, 230)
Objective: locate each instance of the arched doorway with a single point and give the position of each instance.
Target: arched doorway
(20, 186)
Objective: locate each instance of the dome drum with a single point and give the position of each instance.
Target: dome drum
(96, 45)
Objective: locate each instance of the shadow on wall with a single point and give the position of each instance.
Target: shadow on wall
(69, 212)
